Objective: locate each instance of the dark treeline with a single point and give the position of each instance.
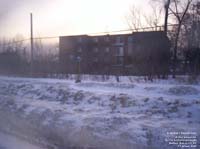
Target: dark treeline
(188, 46)
(15, 58)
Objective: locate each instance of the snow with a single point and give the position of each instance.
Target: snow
(98, 113)
(10, 142)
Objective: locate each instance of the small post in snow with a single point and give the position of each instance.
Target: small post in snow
(78, 79)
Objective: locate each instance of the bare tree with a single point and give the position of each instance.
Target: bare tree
(190, 35)
(190, 40)
(176, 10)
(153, 20)
(134, 19)
(179, 10)
(139, 20)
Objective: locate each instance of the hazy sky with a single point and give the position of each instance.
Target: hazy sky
(64, 17)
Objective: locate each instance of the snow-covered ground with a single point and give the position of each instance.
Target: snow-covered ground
(131, 114)
(11, 142)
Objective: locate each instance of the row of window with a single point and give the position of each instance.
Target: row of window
(118, 39)
(105, 60)
(107, 50)
(119, 50)
(95, 39)
(95, 59)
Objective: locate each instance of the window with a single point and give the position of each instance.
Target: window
(130, 39)
(107, 39)
(130, 49)
(96, 50)
(96, 39)
(120, 51)
(79, 49)
(80, 39)
(179, 53)
(106, 59)
(120, 60)
(71, 56)
(118, 39)
(107, 49)
(95, 59)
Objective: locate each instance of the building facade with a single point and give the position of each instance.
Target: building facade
(121, 54)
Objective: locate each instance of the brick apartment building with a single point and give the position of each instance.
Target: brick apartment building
(112, 54)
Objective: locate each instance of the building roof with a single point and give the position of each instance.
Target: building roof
(137, 34)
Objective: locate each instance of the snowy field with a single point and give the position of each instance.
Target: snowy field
(98, 114)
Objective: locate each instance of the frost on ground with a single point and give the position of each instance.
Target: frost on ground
(98, 115)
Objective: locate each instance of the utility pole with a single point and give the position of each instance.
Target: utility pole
(31, 24)
(167, 4)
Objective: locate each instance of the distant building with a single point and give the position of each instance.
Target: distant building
(112, 54)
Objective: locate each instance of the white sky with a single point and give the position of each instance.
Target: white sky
(65, 17)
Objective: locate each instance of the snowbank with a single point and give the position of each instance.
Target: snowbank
(180, 79)
(92, 114)
(10, 142)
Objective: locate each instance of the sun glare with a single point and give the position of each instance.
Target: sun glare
(64, 17)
